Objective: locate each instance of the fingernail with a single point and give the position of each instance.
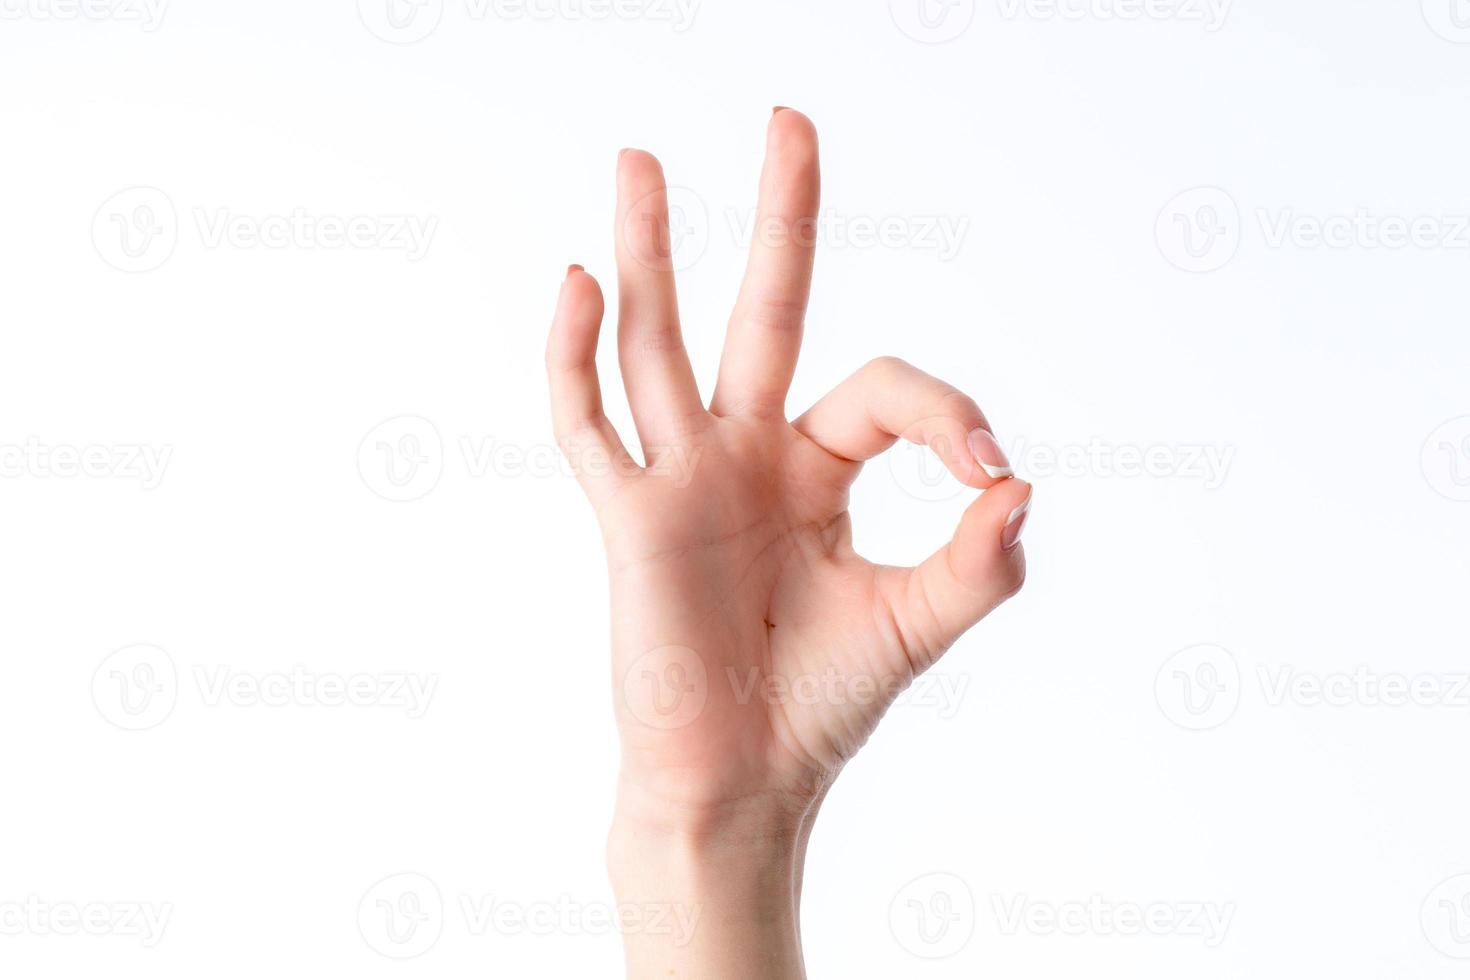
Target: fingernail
(574, 268)
(989, 455)
(778, 108)
(624, 152)
(1010, 535)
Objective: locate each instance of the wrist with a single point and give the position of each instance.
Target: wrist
(753, 847)
(731, 873)
(645, 818)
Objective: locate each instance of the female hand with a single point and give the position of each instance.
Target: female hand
(753, 650)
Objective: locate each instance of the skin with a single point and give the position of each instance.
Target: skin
(733, 577)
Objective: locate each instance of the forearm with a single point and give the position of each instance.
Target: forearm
(726, 888)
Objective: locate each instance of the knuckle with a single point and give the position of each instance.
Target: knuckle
(573, 436)
(557, 361)
(776, 314)
(886, 368)
(661, 339)
(955, 403)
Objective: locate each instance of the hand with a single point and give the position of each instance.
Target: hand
(753, 650)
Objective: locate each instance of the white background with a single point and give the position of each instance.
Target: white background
(1066, 752)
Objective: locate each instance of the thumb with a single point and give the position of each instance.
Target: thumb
(954, 588)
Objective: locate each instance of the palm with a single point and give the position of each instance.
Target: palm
(754, 651)
(754, 572)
